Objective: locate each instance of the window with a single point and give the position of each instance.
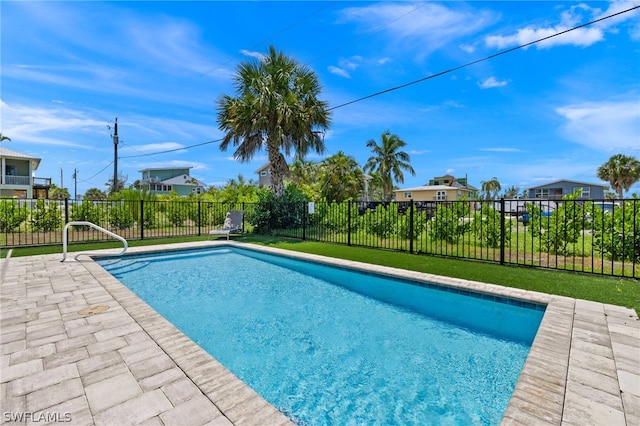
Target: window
(407, 195)
(441, 195)
(542, 193)
(10, 170)
(586, 191)
(263, 173)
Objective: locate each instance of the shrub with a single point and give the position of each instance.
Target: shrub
(487, 228)
(562, 228)
(449, 222)
(11, 215)
(45, 217)
(87, 211)
(285, 212)
(617, 235)
(121, 217)
(176, 213)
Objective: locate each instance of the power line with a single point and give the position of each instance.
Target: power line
(402, 86)
(174, 150)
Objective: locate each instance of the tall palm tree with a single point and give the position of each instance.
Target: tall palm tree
(341, 178)
(491, 188)
(621, 171)
(276, 108)
(388, 161)
(4, 138)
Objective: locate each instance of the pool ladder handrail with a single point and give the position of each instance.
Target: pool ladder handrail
(93, 225)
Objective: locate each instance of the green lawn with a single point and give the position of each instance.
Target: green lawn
(615, 291)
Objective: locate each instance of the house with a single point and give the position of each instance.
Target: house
(557, 189)
(440, 188)
(17, 176)
(165, 180)
(435, 193)
(264, 175)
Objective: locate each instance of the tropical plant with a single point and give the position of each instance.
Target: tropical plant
(388, 161)
(120, 217)
(511, 192)
(45, 218)
(238, 191)
(621, 171)
(617, 234)
(87, 211)
(4, 138)
(11, 215)
(451, 221)
(558, 231)
(487, 227)
(120, 184)
(95, 194)
(491, 188)
(276, 108)
(341, 178)
(284, 212)
(57, 193)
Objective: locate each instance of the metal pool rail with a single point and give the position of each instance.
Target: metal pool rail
(93, 225)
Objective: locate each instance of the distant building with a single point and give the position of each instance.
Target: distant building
(440, 188)
(165, 180)
(17, 176)
(557, 189)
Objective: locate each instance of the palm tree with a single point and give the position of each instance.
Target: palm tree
(276, 107)
(621, 171)
(341, 178)
(4, 138)
(388, 161)
(491, 188)
(95, 194)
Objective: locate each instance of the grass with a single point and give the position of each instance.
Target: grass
(610, 290)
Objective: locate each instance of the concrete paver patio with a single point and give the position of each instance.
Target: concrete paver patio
(128, 365)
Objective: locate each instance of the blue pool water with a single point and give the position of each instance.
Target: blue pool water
(331, 346)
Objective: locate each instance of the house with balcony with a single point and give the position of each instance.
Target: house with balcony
(164, 180)
(440, 188)
(17, 178)
(557, 189)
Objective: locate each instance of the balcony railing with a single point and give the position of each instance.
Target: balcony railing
(42, 182)
(16, 180)
(26, 180)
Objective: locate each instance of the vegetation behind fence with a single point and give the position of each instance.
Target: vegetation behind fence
(598, 236)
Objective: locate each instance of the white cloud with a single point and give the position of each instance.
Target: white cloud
(338, 71)
(574, 16)
(419, 27)
(47, 126)
(491, 82)
(605, 126)
(259, 56)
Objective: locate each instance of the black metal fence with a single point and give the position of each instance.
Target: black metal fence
(596, 236)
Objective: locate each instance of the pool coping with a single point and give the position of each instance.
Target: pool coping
(583, 367)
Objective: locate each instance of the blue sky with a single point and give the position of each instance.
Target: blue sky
(554, 110)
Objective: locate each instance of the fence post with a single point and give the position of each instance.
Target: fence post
(66, 211)
(502, 230)
(304, 220)
(411, 229)
(349, 223)
(199, 220)
(141, 222)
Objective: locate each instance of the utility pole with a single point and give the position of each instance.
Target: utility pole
(61, 181)
(115, 157)
(75, 184)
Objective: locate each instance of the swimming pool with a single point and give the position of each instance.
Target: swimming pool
(381, 351)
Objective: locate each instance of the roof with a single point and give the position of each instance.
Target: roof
(433, 188)
(183, 180)
(264, 167)
(8, 153)
(165, 168)
(569, 181)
